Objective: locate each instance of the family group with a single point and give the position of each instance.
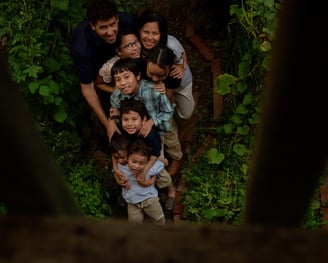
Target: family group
(137, 82)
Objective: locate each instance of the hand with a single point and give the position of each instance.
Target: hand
(146, 128)
(160, 87)
(114, 112)
(112, 128)
(177, 71)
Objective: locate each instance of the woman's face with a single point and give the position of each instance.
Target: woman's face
(150, 35)
(130, 47)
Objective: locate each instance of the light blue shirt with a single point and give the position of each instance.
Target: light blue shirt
(137, 193)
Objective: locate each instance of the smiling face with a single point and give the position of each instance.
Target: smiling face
(132, 122)
(137, 162)
(127, 82)
(150, 35)
(130, 47)
(106, 29)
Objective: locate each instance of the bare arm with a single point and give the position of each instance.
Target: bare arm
(178, 69)
(141, 178)
(102, 85)
(90, 95)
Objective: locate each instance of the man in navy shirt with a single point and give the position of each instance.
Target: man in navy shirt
(92, 44)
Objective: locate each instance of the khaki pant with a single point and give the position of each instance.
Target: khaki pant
(150, 207)
(164, 179)
(171, 142)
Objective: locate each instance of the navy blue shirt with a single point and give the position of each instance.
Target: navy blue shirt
(89, 51)
(153, 139)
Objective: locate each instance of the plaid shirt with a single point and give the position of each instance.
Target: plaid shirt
(158, 105)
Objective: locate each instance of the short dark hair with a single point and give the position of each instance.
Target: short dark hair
(101, 10)
(139, 146)
(123, 32)
(119, 142)
(132, 104)
(125, 64)
(161, 56)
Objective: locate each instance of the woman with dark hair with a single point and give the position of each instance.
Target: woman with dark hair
(153, 31)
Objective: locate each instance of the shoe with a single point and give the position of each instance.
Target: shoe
(169, 203)
(174, 167)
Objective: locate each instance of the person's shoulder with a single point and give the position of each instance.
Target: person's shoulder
(147, 88)
(145, 83)
(158, 165)
(81, 27)
(81, 36)
(172, 40)
(153, 132)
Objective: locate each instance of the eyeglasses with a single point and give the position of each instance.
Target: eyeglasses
(131, 45)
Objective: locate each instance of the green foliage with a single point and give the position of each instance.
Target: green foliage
(215, 193)
(131, 6)
(87, 187)
(216, 182)
(37, 34)
(90, 187)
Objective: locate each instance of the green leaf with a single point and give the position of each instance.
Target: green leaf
(52, 65)
(33, 87)
(265, 46)
(255, 119)
(244, 168)
(58, 100)
(248, 99)
(239, 149)
(224, 82)
(244, 130)
(236, 119)
(241, 109)
(44, 91)
(214, 157)
(209, 214)
(53, 87)
(60, 116)
(241, 86)
(32, 71)
(60, 4)
(243, 69)
(267, 61)
(228, 128)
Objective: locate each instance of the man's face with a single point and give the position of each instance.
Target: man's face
(107, 29)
